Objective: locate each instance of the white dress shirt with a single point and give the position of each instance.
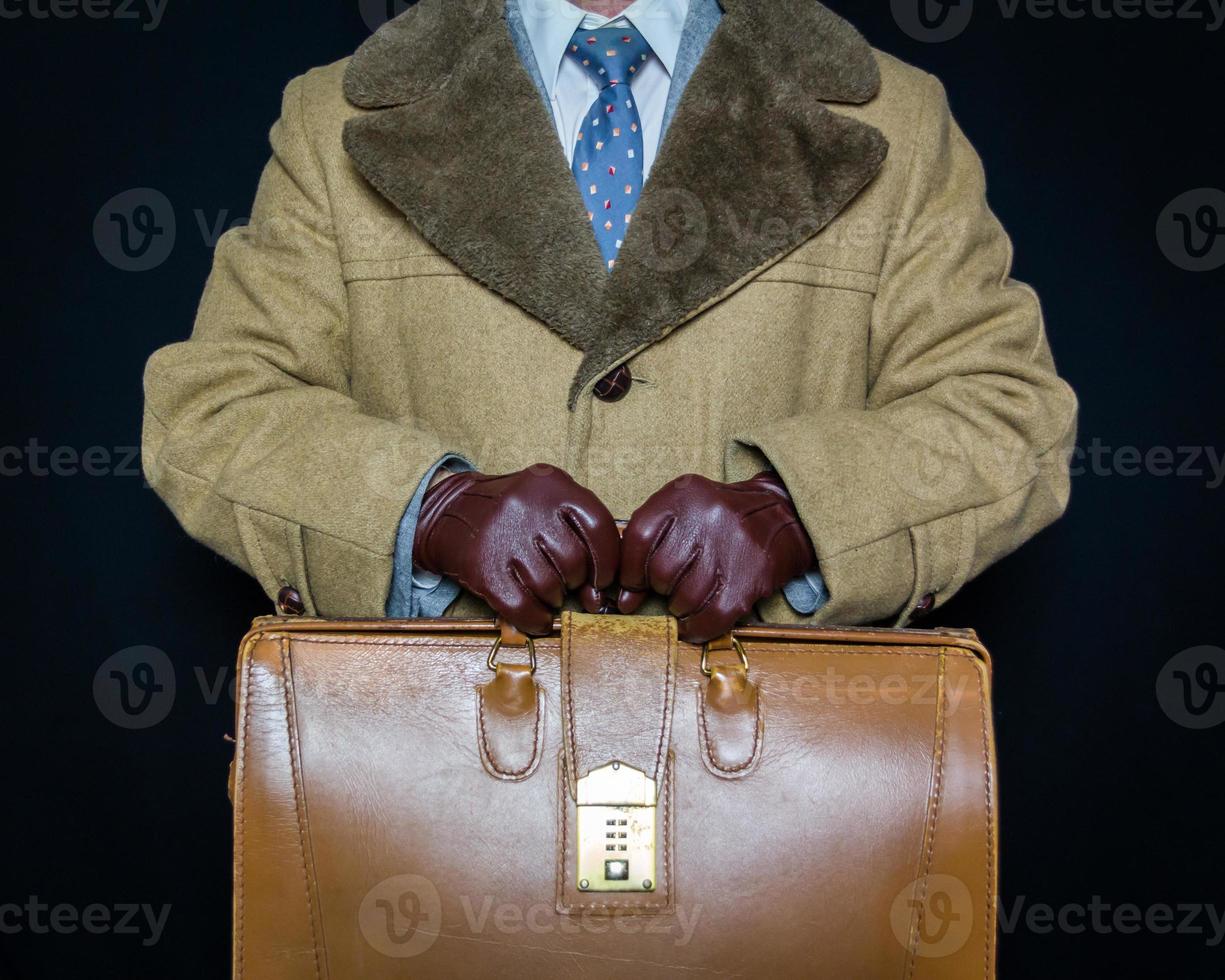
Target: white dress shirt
(550, 26)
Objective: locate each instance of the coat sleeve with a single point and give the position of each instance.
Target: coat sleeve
(251, 433)
(960, 453)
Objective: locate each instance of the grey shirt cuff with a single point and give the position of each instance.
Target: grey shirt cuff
(416, 593)
(806, 594)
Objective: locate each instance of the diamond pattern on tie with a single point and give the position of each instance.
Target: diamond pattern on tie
(608, 150)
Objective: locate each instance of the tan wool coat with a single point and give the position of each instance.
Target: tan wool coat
(813, 281)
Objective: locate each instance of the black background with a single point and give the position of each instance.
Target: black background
(1088, 128)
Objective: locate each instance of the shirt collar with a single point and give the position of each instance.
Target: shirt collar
(551, 24)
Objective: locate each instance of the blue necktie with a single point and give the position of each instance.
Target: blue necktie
(608, 161)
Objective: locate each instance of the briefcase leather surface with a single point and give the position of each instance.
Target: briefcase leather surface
(433, 798)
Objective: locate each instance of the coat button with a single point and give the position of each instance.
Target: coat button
(615, 385)
(289, 602)
(926, 604)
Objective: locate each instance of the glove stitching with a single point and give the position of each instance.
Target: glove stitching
(570, 519)
(512, 567)
(658, 543)
(685, 569)
(543, 548)
(714, 592)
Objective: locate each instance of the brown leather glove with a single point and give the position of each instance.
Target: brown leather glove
(715, 549)
(519, 542)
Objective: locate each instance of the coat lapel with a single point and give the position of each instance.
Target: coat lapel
(464, 147)
(753, 164)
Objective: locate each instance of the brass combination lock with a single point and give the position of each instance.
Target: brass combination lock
(616, 830)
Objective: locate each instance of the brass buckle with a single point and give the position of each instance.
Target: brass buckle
(616, 830)
(736, 645)
(492, 662)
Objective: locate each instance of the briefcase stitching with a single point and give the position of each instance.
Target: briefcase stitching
(928, 846)
(988, 778)
(665, 725)
(241, 811)
(491, 765)
(708, 756)
(571, 748)
(299, 790)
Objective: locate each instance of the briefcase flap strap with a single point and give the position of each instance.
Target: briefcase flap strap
(618, 687)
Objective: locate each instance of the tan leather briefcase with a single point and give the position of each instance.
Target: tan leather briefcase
(426, 799)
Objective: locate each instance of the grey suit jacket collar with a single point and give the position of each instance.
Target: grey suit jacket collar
(523, 44)
(704, 17)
